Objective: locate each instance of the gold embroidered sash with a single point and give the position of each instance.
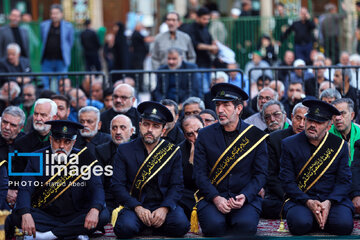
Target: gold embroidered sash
(53, 188)
(319, 162)
(247, 141)
(156, 160)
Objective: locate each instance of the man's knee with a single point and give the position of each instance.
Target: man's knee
(125, 229)
(245, 226)
(341, 227)
(213, 227)
(299, 225)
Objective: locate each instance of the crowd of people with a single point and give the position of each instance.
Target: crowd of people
(220, 150)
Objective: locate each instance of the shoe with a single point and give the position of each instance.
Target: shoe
(83, 237)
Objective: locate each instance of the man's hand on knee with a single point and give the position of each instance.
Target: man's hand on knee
(238, 202)
(316, 208)
(92, 219)
(159, 216)
(144, 215)
(325, 209)
(356, 202)
(11, 196)
(28, 225)
(222, 204)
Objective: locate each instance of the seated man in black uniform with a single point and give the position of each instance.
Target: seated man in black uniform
(66, 199)
(148, 180)
(316, 176)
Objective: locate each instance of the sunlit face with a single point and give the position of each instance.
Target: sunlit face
(90, 122)
(150, 131)
(338, 79)
(56, 15)
(173, 60)
(42, 115)
(29, 96)
(122, 99)
(62, 145)
(264, 97)
(10, 126)
(191, 129)
(62, 110)
(343, 122)
(97, 92)
(294, 89)
(121, 130)
(316, 130)
(172, 22)
(298, 120)
(108, 102)
(15, 17)
(13, 56)
(227, 112)
(274, 118)
(208, 119)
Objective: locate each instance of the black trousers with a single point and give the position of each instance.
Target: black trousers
(68, 227)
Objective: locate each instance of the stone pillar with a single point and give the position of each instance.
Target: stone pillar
(180, 7)
(96, 13)
(266, 12)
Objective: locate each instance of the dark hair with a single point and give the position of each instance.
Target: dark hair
(61, 98)
(108, 92)
(202, 11)
(172, 12)
(189, 117)
(87, 22)
(209, 111)
(349, 102)
(46, 94)
(169, 102)
(56, 6)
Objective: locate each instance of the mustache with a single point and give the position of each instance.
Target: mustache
(38, 122)
(149, 134)
(85, 128)
(273, 123)
(312, 128)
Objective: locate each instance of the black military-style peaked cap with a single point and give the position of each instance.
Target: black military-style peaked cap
(227, 92)
(64, 129)
(320, 111)
(155, 111)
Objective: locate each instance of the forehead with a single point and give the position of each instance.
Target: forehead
(11, 117)
(272, 108)
(295, 86)
(206, 115)
(266, 92)
(173, 54)
(341, 106)
(191, 106)
(55, 10)
(88, 115)
(120, 121)
(43, 107)
(59, 102)
(122, 90)
(29, 89)
(301, 111)
(15, 12)
(172, 16)
(192, 122)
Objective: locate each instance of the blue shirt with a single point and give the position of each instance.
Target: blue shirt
(243, 83)
(73, 116)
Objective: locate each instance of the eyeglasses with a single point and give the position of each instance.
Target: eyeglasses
(274, 114)
(28, 95)
(124, 98)
(267, 98)
(192, 134)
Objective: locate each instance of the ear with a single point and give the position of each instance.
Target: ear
(133, 100)
(176, 117)
(352, 116)
(99, 125)
(163, 131)
(240, 107)
(55, 117)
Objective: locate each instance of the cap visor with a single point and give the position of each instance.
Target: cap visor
(61, 135)
(315, 118)
(223, 99)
